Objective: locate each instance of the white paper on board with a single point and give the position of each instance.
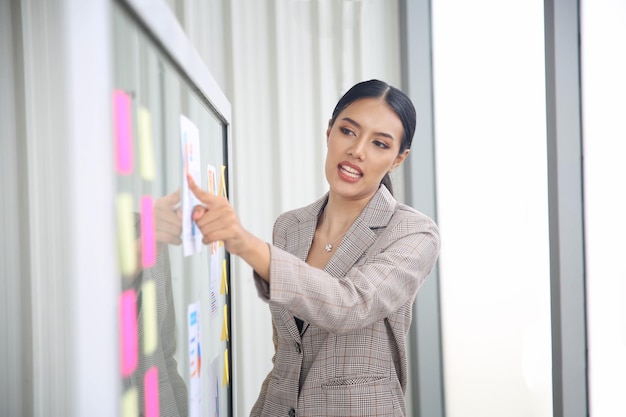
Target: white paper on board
(190, 150)
(195, 360)
(214, 387)
(214, 250)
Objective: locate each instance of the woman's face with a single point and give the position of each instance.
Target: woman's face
(363, 145)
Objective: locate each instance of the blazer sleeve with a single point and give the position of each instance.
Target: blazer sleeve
(386, 277)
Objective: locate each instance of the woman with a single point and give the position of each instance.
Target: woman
(342, 273)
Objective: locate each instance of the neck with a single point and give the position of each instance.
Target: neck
(339, 214)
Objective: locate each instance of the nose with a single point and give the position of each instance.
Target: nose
(357, 150)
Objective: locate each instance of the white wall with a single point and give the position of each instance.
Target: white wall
(490, 129)
(603, 69)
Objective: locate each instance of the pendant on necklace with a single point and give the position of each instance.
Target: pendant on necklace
(329, 247)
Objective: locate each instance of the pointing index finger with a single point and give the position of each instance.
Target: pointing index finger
(197, 191)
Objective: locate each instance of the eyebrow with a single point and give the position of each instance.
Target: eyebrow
(349, 120)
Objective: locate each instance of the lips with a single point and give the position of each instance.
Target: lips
(349, 171)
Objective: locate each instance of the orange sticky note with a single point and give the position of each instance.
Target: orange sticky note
(128, 332)
(222, 190)
(212, 183)
(225, 377)
(148, 242)
(148, 306)
(123, 130)
(151, 392)
(225, 324)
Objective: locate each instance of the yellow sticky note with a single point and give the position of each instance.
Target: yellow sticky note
(126, 234)
(148, 305)
(224, 284)
(130, 403)
(225, 377)
(225, 324)
(146, 147)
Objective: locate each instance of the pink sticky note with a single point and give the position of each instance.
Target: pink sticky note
(151, 392)
(148, 243)
(128, 332)
(123, 132)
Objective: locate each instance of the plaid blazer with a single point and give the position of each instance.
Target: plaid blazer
(350, 357)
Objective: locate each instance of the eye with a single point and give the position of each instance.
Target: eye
(346, 131)
(380, 144)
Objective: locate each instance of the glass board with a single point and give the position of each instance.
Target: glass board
(174, 306)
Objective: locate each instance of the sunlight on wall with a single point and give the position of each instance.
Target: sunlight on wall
(603, 58)
(489, 96)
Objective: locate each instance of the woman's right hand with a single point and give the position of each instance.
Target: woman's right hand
(217, 221)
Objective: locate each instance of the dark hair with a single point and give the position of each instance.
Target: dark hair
(395, 98)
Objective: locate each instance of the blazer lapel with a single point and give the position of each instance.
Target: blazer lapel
(362, 234)
(298, 243)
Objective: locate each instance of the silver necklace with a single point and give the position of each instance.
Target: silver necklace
(329, 246)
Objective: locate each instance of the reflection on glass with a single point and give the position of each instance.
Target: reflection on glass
(173, 309)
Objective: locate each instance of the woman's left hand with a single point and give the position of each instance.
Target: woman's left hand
(168, 219)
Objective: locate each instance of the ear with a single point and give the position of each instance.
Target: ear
(328, 129)
(399, 160)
